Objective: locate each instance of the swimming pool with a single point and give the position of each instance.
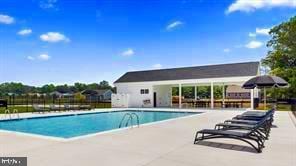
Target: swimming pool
(69, 126)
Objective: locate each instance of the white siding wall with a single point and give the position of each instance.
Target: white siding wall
(163, 95)
(162, 88)
(135, 97)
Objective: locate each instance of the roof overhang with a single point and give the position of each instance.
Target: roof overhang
(204, 81)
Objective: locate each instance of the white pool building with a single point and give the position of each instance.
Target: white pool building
(153, 88)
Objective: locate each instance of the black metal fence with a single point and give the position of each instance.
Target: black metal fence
(50, 100)
(293, 106)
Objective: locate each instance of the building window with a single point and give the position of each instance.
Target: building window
(144, 91)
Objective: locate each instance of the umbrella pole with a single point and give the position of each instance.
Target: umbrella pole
(264, 98)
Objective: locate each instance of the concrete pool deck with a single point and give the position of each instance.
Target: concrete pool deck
(164, 144)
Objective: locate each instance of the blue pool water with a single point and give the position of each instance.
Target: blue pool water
(83, 124)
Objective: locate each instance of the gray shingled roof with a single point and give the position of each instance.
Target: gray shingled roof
(95, 92)
(198, 72)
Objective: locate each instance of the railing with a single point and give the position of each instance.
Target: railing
(130, 119)
(14, 112)
(293, 106)
(47, 100)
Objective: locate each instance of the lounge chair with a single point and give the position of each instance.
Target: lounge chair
(252, 115)
(39, 109)
(245, 118)
(53, 107)
(85, 107)
(67, 107)
(245, 132)
(263, 130)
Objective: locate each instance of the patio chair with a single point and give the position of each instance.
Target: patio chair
(251, 133)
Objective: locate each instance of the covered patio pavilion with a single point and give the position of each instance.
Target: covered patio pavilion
(153, 88)
(163, 89)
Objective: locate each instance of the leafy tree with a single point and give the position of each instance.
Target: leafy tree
(104, 85)
(93, 86)
(20, 89)
(218, 92)
(63, 88)
(281, 59)
(203, 92)
(47, 88)
(80, 87)
(15, 88)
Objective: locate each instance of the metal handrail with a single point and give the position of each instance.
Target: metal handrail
(127, 114)
(15, 111)
(138, 119)
(130, 119)
(7, 112)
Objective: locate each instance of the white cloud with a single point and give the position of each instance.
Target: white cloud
(30, 58)
(25, 32)
(262, 31)
(54, 37)
(44, 57)
(226, 50)
(252, 34)
(5, 19)
(252, 5)
(254, 44)
(128, 52)
(174, 25)
(157, 66)
(48, 4)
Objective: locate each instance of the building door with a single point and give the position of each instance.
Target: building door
(154, 100)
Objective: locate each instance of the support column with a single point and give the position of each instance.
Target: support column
(223, 96)
(180, 95)
(252, 98)
(171, 97)
(212, 95)
(195, 93)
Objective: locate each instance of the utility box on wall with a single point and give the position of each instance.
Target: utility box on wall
(120, 100)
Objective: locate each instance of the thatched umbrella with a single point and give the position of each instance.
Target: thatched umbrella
(264, 82)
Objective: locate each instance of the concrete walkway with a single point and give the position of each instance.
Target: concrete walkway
(164, 144)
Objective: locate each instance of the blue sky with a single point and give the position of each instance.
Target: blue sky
(63, 41)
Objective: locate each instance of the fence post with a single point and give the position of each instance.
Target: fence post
(59, 104)
(293, 105)
(44, 102)
(27, 103)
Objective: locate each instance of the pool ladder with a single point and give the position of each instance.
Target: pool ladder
(129, 117)
(7, 112)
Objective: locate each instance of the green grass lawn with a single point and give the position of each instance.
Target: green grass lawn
(20, 109)
(280, 107)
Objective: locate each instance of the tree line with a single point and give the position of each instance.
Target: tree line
(281, 58)
(21, 89)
